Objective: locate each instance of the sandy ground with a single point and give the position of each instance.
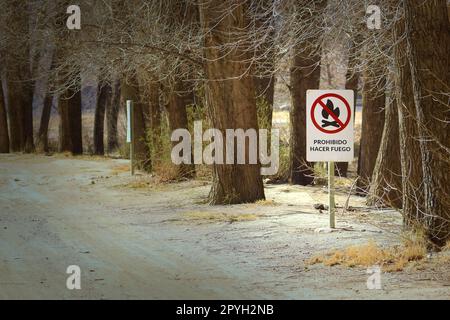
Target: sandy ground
(164, 242)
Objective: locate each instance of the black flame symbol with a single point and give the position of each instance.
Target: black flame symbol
(325, 114)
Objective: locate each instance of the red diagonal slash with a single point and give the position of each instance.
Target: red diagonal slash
(331, 113)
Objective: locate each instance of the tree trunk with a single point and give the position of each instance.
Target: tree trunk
(305, 74)
(65, 141)
(18, 75)
(386, 184)
(264, 79)
(230, 97)
(112, 113)
(14, 106)
(178, 119)
(27, 117)
(265, 88)
(4, 136)
(141, 148)
(41, 96)
(155, 118)
(42, 138)
(371, 132)
(104, 98)
(411, 161)
(43, 86)
(351, 83)
(70, 134)
(428, 47)
(76, 136)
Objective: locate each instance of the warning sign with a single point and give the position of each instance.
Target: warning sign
(329, 125)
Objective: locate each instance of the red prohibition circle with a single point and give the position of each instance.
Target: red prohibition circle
(317, 101)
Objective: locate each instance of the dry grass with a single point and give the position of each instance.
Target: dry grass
(166, 171)
(391, 259)
(137, 184)
(147, 182)
(204, 172)
(67, 154)
(120, 169)
(266, 202)
(211, 216)
(155, 184)
(343, 182)
(447, 246)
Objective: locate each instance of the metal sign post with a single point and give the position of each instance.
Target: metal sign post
(331, 204)
(130, 133)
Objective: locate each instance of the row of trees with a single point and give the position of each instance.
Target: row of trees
(223, 57)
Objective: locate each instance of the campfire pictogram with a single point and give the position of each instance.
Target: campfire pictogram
(325, 115)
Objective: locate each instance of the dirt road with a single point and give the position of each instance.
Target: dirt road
(163, 242)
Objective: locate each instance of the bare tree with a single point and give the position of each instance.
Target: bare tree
(112, 114)
(430, 74)
(4, 136)
(65, 141)
(178, 119)
(305, 74)
(14, 107)
(104, 98)
(371, 130)
(351, 83)
(42, 137)
(230, 94)
(386, 184)
(155, 115)
(75, 121)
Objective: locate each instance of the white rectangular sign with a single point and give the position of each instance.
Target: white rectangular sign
(329, 125)
(129, 106)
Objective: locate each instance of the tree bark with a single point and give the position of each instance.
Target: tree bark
(386, 184)
(76, 135)
(178, 119)
(112, 113)
(27, 117)
(428, 47)
(264, 79)
(42, 138)
(305, 74)
(141, 147)
(65, 141)
(4, 135)
(230, 96)
(70, 128)
(371, 132)
(265, 89)
(19, 75)
(155, 118)
(41, 95)
(351, 83)
(104, 98)
(14, 106)
(411, 162)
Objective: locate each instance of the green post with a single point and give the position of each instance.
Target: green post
(331, 204)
